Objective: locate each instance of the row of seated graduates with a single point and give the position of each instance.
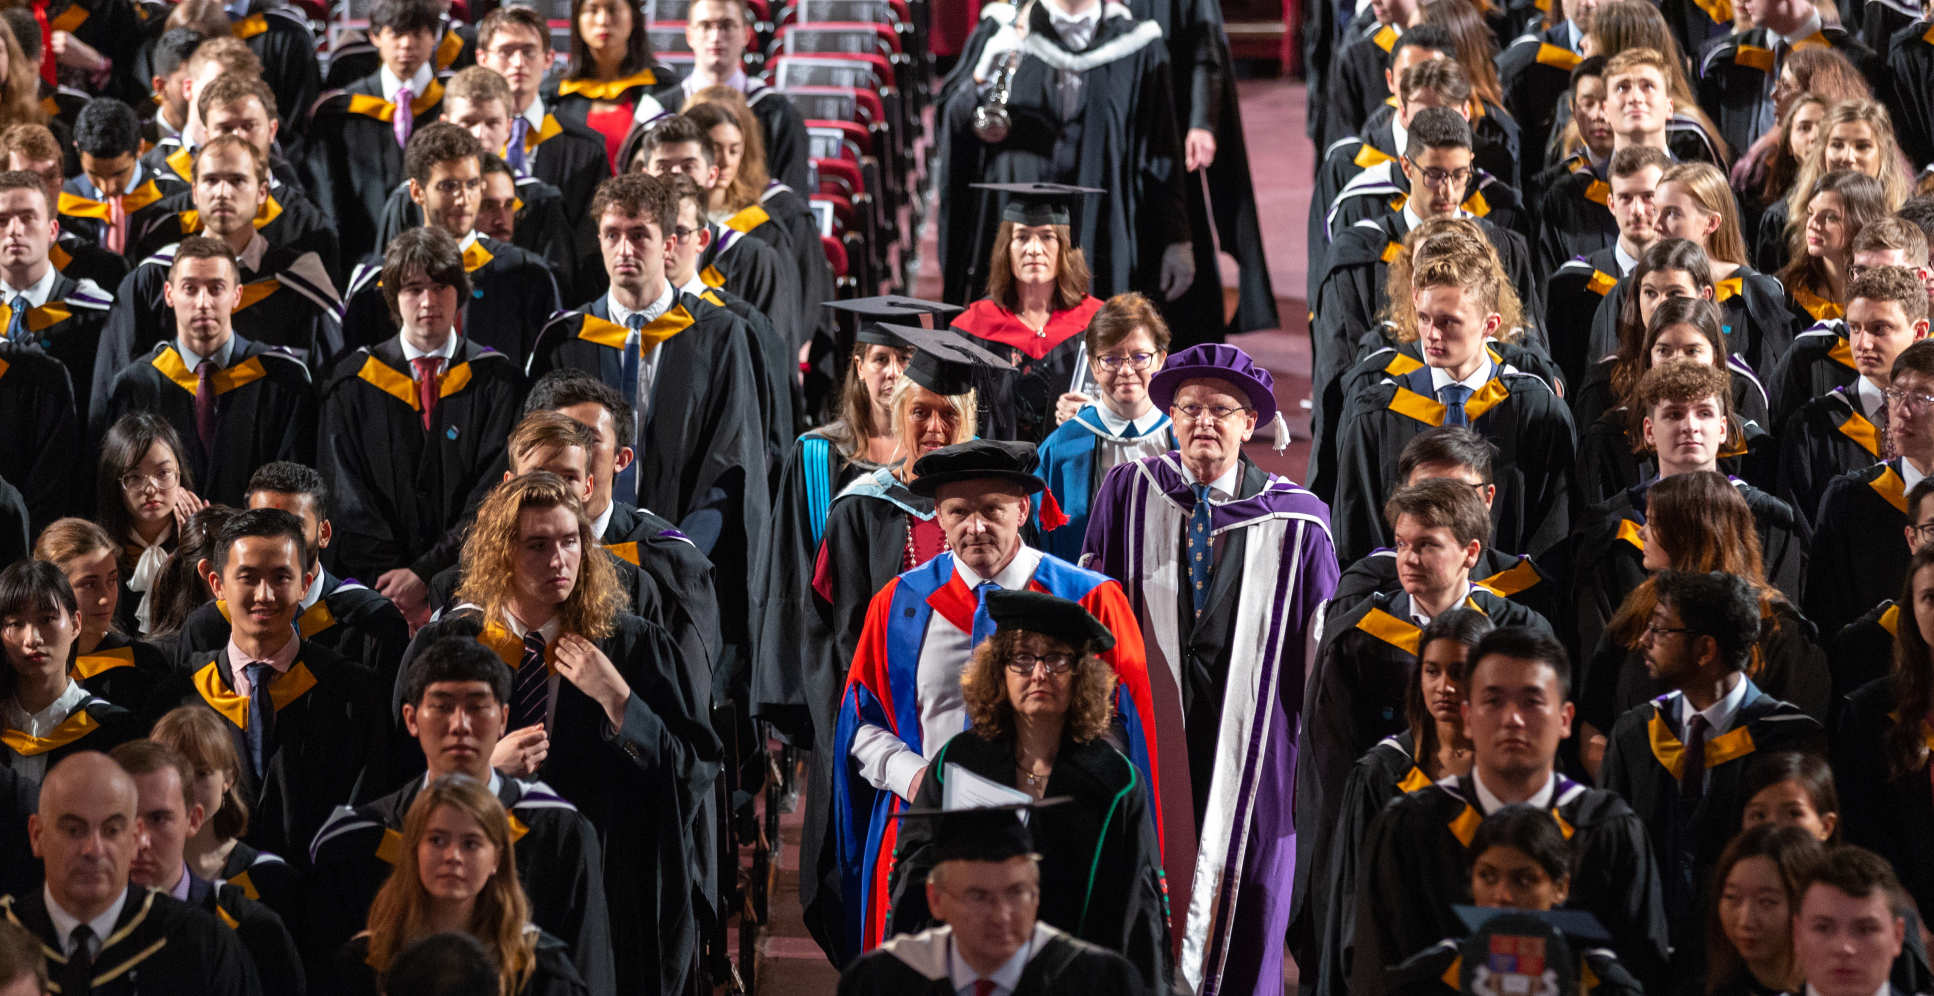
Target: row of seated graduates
(200, 62)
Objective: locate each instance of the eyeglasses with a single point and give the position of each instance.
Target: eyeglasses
(1054, 663)
(1134, 361)
(681, 233)
(986, 900)
(1435, 177)
(1654, 630)
(1910, 400)
(134, 481)
(1219, 413)
(1923, 533)
(451, 188)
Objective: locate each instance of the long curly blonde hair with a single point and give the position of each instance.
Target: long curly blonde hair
(401, 911)
(1445, 252)
(983, 685)
(490, 556)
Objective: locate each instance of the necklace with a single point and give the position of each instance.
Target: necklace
(1032, 778)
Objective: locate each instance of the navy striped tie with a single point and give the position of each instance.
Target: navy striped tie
(529, 693)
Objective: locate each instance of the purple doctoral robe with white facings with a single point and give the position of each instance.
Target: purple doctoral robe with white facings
(1234, 676)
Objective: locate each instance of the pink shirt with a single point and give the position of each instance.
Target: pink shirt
(238, 662)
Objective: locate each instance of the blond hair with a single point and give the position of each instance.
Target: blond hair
(490, 556)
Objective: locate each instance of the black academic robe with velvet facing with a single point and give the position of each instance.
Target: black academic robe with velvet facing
(571, 158)
(265, 410)
(270, 946)
(350, 619)
(1415, 865)
(1645, 763)
(266, 877)
(1910, 64)
(352, 160)
(1057, 964)
(559, 864)
(674, 572)
(400, 488)
(288, 303)
(37, 453)
(1110, 826)
(1518, 412)
(701, 446)
(512, 295)
(1123, 138)
(159, 945)
(1574, 213)
(329, 741)
(281, 36)
(79, 259)
(1859, 551)
(642, 785)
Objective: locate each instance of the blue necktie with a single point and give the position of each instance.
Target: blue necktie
(1453, 396)
(1201, 553)
(17, 324)
(626, 485)
(260, 674)
(531, 688)
(983, 623)
(514, 149)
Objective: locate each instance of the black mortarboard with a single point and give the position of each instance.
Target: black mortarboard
(895, 308)
(1038, 203)
(981, 833)
(977, 460)
(1048, 615)
(944, 362)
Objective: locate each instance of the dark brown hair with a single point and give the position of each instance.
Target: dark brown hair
(1119, 317)
(123, 448)
(1793, 853)
(1913, 680)
(638, 195)
(638, 53)
(1634, 349)
(1071, 277)
(427, 250)
(1441, 503)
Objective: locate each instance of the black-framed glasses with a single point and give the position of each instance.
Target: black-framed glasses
(1923, 533)
(1654, 630)
(1196, 413)
(681, 233)
(1054, 663)
(1436, 177)
(1134, 361)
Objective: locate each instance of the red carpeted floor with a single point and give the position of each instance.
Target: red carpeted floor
(1282, 162)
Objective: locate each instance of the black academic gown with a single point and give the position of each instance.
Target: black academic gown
(94, 725)
(1535, 72)
(1356, 86)
(539, 227)
(775, 366)
(400, 488)
(329, 741)
(701, 447)
(1754, 312)
(865, 546)
(1574, 213)
(1109, 826)
(1327, 870)
(352, 160)
(552, 973)
(1202, 70)
(750, 269)
(1123, 138)
(642, 786)
(84, 217)
(1862, 651)
(559, 864)
(265, 410)
(19, 799)
(37, 405)
(288, 303)
(281, 36)
(1820, 360)
(1645, 763)
(512, 295)
(1506, 575)
(793, 213)
(1910, 64)
(1859, 557)
(350, 619)
(1830, 435)
(125, 672)
(571, 158)
(1518, 412)
(287, 219)
(1887, 812)
(1734, 78)
(82, 260)
(266, 877)
(784, 130)
(68, 327)
(1575, 293)
(159, 944)
(917, 965)
(1383, 188)
(271, 948)
(1415, 866)
(676, 575)
(1611, 458)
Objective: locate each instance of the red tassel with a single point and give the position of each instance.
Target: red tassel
(1052, 517)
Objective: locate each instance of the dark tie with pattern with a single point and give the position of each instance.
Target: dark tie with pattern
(261, 712)
(77, 976)
(405, 120)
(514, 149)
(1692, 784)
(530, 693)
(205, 403)
(1453, 396)
(1200, 551)
(17, 320)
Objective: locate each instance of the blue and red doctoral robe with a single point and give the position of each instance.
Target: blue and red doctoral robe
(882, 690)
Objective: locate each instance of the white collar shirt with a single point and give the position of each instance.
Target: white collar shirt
(65, 922)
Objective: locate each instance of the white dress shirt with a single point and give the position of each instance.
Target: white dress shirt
(549, 631)
(1719, 715)
(1006, 978)
(1441, 378)
(65, 922)
(648, 359)
(443, 354)
(418, 83)
(36, 293)
(1872, 398)
(1488, 800)
(39, 724)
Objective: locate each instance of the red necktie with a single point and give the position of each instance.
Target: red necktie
(205, 403)
(983, 987)
(115, 240)
(426, 386)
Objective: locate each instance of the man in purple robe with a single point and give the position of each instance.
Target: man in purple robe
(1224, 566)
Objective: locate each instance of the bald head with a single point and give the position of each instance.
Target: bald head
(84, 834)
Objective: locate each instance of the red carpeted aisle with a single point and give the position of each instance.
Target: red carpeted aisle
(1282, 162)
